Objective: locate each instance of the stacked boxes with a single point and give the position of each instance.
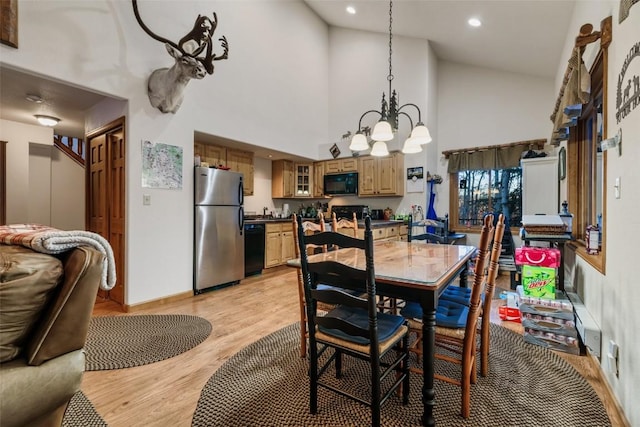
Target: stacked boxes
(549, 322)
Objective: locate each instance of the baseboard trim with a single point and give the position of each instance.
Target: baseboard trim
(158, 302)
(593, 359)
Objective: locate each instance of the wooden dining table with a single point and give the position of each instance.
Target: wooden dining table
(412, 271)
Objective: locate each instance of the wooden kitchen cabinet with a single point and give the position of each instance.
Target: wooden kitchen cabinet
(235, 160)
(242, 161)
(318, 179)
(279, 244)
(381, 176)
(341, 165)
(303, 180)
(282, 179)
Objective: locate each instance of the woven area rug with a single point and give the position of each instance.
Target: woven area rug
(81, 413)
(116, 342)
(266, 384)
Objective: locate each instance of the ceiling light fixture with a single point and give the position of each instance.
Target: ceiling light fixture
(351, 10)
(47, 120)
(388, 124)
(474, 22)
(34, 98)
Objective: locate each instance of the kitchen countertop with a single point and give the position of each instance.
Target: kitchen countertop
(375, 223)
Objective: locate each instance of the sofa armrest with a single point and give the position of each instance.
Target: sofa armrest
(64, 325)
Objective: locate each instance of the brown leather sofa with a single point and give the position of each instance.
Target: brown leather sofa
(46, 304)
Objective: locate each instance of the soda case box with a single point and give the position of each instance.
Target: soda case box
(549, 323)
(552, 341)
(539, 270)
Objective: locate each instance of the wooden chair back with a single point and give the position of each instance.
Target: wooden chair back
(308, 227)
(352, 224)
(429, 230)
(492, 274)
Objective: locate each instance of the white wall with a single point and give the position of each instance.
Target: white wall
(613, 299)
(479, 107)
(67, 192)
(18, 137)
(271, 90)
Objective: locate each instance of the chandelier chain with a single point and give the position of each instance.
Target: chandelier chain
(390, 76)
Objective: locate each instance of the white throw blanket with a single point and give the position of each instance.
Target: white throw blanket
(48, 240)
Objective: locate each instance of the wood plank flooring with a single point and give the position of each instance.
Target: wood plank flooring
(166, 393)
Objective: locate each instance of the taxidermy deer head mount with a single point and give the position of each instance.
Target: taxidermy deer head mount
(166, 85)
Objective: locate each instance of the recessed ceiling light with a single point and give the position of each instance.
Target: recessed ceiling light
(34, 98)
(474, 22)
(351, 10)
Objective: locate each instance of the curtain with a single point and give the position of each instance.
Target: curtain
(492, 158)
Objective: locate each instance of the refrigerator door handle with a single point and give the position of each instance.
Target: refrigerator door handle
(241, 219)
(241, 192)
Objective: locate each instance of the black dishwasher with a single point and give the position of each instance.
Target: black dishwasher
(253, 249)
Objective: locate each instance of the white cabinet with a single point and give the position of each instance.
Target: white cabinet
(540, 185)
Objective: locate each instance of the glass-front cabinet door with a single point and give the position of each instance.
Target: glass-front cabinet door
(303, 180)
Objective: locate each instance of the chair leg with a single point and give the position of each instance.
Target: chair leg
(313, 378)
(303, 339)
(405, 370)
(484, 350)
(338, 364)
(375, 392)
(465, 383)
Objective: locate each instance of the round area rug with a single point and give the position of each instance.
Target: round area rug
(116, 342)
(266, 384)
(81, 413)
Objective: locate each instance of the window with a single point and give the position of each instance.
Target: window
(479, 192)
(587, 165)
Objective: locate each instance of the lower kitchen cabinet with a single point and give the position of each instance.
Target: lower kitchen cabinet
(279, 244)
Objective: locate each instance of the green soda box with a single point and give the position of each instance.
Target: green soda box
(539, 281)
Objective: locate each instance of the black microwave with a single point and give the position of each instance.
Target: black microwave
(341, 184)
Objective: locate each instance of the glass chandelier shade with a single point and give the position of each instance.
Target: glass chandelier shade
(359, 142)
(382, 131)
(379, 149)
(420, 134)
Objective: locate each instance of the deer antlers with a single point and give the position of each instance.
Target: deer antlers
(195, 42)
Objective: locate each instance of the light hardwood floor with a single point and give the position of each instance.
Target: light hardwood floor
(166, 393)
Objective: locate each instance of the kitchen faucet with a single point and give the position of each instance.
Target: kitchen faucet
(264, 211)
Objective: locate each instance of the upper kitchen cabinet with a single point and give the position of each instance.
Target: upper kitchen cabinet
(242, 161)
(282, 179)
(318, 179)
(303, 180)
(235, 160)
(381, 176)
(341, 165)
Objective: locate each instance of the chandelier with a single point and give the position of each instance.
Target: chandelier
(388, 124)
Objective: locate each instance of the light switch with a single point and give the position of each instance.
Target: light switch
(146, 199)
(617, 188)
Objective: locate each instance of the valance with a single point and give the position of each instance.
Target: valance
(486, 159)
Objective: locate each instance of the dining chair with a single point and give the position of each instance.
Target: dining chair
(492, 274)
(433, 231)
(456, 326)
(354, 328)
(308, 227)
(343, 223)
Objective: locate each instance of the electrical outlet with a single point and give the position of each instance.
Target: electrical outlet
(146, 199)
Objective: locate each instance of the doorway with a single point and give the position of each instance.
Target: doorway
(106, 203)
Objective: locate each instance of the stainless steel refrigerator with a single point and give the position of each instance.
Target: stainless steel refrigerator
(218, 226)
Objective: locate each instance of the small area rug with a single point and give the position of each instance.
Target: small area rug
(81, 413)
(266, 384)
(116, 342)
